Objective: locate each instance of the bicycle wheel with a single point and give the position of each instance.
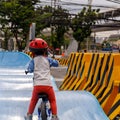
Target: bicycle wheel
(43, 111)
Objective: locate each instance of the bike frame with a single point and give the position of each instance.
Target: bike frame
(44, 110)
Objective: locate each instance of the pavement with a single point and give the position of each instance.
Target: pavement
(59, 73)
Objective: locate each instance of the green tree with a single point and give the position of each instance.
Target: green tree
(17, 15)
(61, 23)
(42, 18)
(81, 24)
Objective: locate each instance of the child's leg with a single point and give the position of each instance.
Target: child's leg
(33, 101)
(52, 100)
(47, 89)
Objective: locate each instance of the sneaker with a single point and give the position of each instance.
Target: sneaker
(54, 117)
(28, 117)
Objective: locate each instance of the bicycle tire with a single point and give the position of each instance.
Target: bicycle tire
(43, 111)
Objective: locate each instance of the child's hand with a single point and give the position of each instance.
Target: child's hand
(26, 72)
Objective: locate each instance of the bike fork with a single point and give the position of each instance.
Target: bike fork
(47, 108)
(39, 113)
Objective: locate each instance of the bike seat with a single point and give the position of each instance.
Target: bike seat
(42, 95)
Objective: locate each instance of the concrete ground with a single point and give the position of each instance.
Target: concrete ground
(58, 73)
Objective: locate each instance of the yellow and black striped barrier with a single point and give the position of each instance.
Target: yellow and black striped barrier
(98, 73)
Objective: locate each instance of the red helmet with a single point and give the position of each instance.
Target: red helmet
(38, 44)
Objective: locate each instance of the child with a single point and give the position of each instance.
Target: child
(40, 66)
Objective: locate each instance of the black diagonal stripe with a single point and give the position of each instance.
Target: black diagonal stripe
(117, 104)
(93, 72)
(98, 74)
(80, 63)
(99, 71)
(74, 71)
(91, 63)
(106, 69)
(109, 76)
(107, 94)
(83, 67)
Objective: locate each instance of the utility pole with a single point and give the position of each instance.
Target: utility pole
(89, 5)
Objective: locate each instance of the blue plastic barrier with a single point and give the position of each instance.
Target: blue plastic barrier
(72, 105)
(13, 59)
(78, 105)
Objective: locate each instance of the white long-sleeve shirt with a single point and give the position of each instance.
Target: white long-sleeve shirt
(40, 66)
